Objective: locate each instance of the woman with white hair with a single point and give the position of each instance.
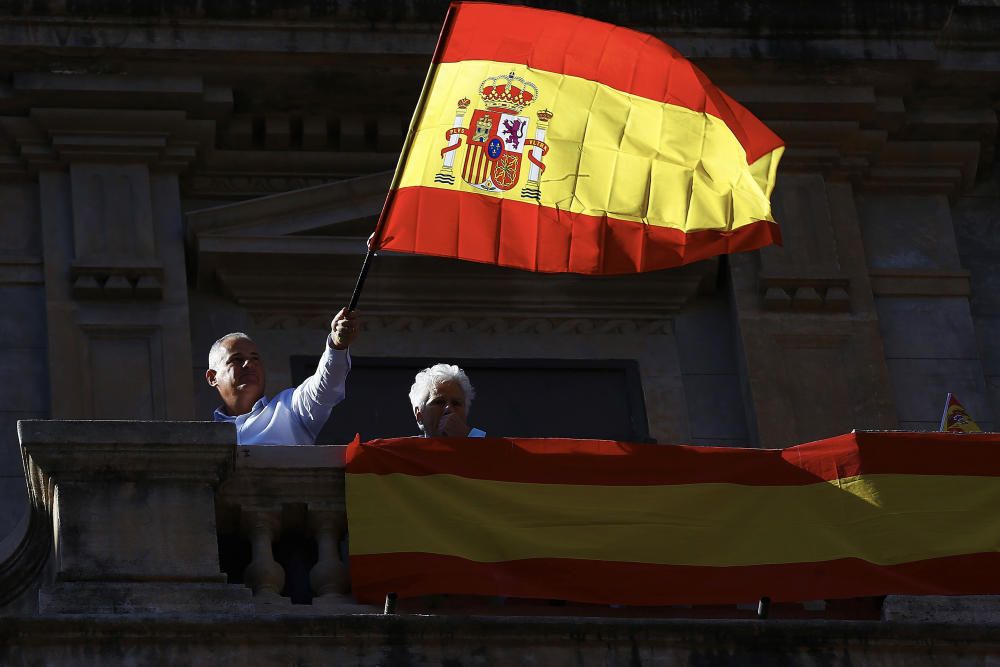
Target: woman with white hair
(441, 397)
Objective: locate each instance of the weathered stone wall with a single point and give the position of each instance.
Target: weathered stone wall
(24, 390)
(775, 15)
(976, 218)
(367, 641)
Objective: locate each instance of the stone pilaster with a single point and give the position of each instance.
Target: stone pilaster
(106, 152)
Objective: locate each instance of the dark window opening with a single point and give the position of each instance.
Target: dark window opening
(542, 398)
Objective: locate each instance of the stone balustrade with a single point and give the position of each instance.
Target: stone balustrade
(139, 510)
(166, 543)
(174, 517)
(290, 495)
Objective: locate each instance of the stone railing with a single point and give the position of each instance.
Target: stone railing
(291, 497)
(174, 517)
(140, 510)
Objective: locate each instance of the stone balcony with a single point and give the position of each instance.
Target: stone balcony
(144, 515)
(166, 543)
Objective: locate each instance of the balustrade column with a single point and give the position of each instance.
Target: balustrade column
(329, 579)
(263, 575)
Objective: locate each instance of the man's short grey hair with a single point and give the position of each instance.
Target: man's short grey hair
(217, 351)
(429, 378)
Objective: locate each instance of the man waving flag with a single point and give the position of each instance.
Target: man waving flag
(554, 143)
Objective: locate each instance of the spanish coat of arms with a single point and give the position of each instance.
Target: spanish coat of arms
(496, 139)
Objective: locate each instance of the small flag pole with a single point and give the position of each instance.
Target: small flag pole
(376, 236)
(944, 415)
(763, 607)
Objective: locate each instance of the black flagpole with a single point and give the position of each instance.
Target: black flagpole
(358, 286)
(421, 101)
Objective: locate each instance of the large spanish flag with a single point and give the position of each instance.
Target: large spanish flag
(550, 142)
(608, 522)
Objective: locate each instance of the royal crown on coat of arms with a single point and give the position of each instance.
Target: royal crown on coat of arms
(495, 138)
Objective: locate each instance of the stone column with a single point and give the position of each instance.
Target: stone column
(263, 575)
(329, 578)
(132, 506)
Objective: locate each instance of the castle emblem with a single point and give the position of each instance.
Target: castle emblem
(497, 140)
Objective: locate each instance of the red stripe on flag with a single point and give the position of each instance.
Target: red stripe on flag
(548, 240)
(627, 60)
(603, 462)
(481, 168)
(603, 582)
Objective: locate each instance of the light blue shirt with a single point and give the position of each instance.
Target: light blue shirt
(295, 416)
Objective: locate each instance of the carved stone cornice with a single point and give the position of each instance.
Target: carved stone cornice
(458, 324)
(405, 286)
(53, 119)
(294, 212)
(876, 141)
(57, 137)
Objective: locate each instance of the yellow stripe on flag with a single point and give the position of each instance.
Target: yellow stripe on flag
(609, 152)
(881, 518)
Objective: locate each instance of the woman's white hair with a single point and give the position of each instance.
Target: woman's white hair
(429, 378)
(216, 351)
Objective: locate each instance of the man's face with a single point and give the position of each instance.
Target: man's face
(445, 406)
(239, 374)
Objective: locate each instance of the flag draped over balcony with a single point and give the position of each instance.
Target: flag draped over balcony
(550, 142)
(616, 523)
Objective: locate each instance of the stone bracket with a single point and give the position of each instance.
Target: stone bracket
(117, 282)
(809, 293)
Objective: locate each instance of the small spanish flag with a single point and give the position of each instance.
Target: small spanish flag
(955, 418)
(554, 143)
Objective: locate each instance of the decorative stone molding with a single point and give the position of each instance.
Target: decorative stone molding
(52, 138)
(413, 286)
(61, 118)
(303, 211)
(503, 326)
(908, 282)
(21, 271)
(816, 294)
(230, 185)
(876, 141)
(336, 128)
(116, 282)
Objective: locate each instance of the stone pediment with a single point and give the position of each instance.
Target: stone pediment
(297, 254)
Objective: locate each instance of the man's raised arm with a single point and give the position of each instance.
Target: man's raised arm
(314, 399)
